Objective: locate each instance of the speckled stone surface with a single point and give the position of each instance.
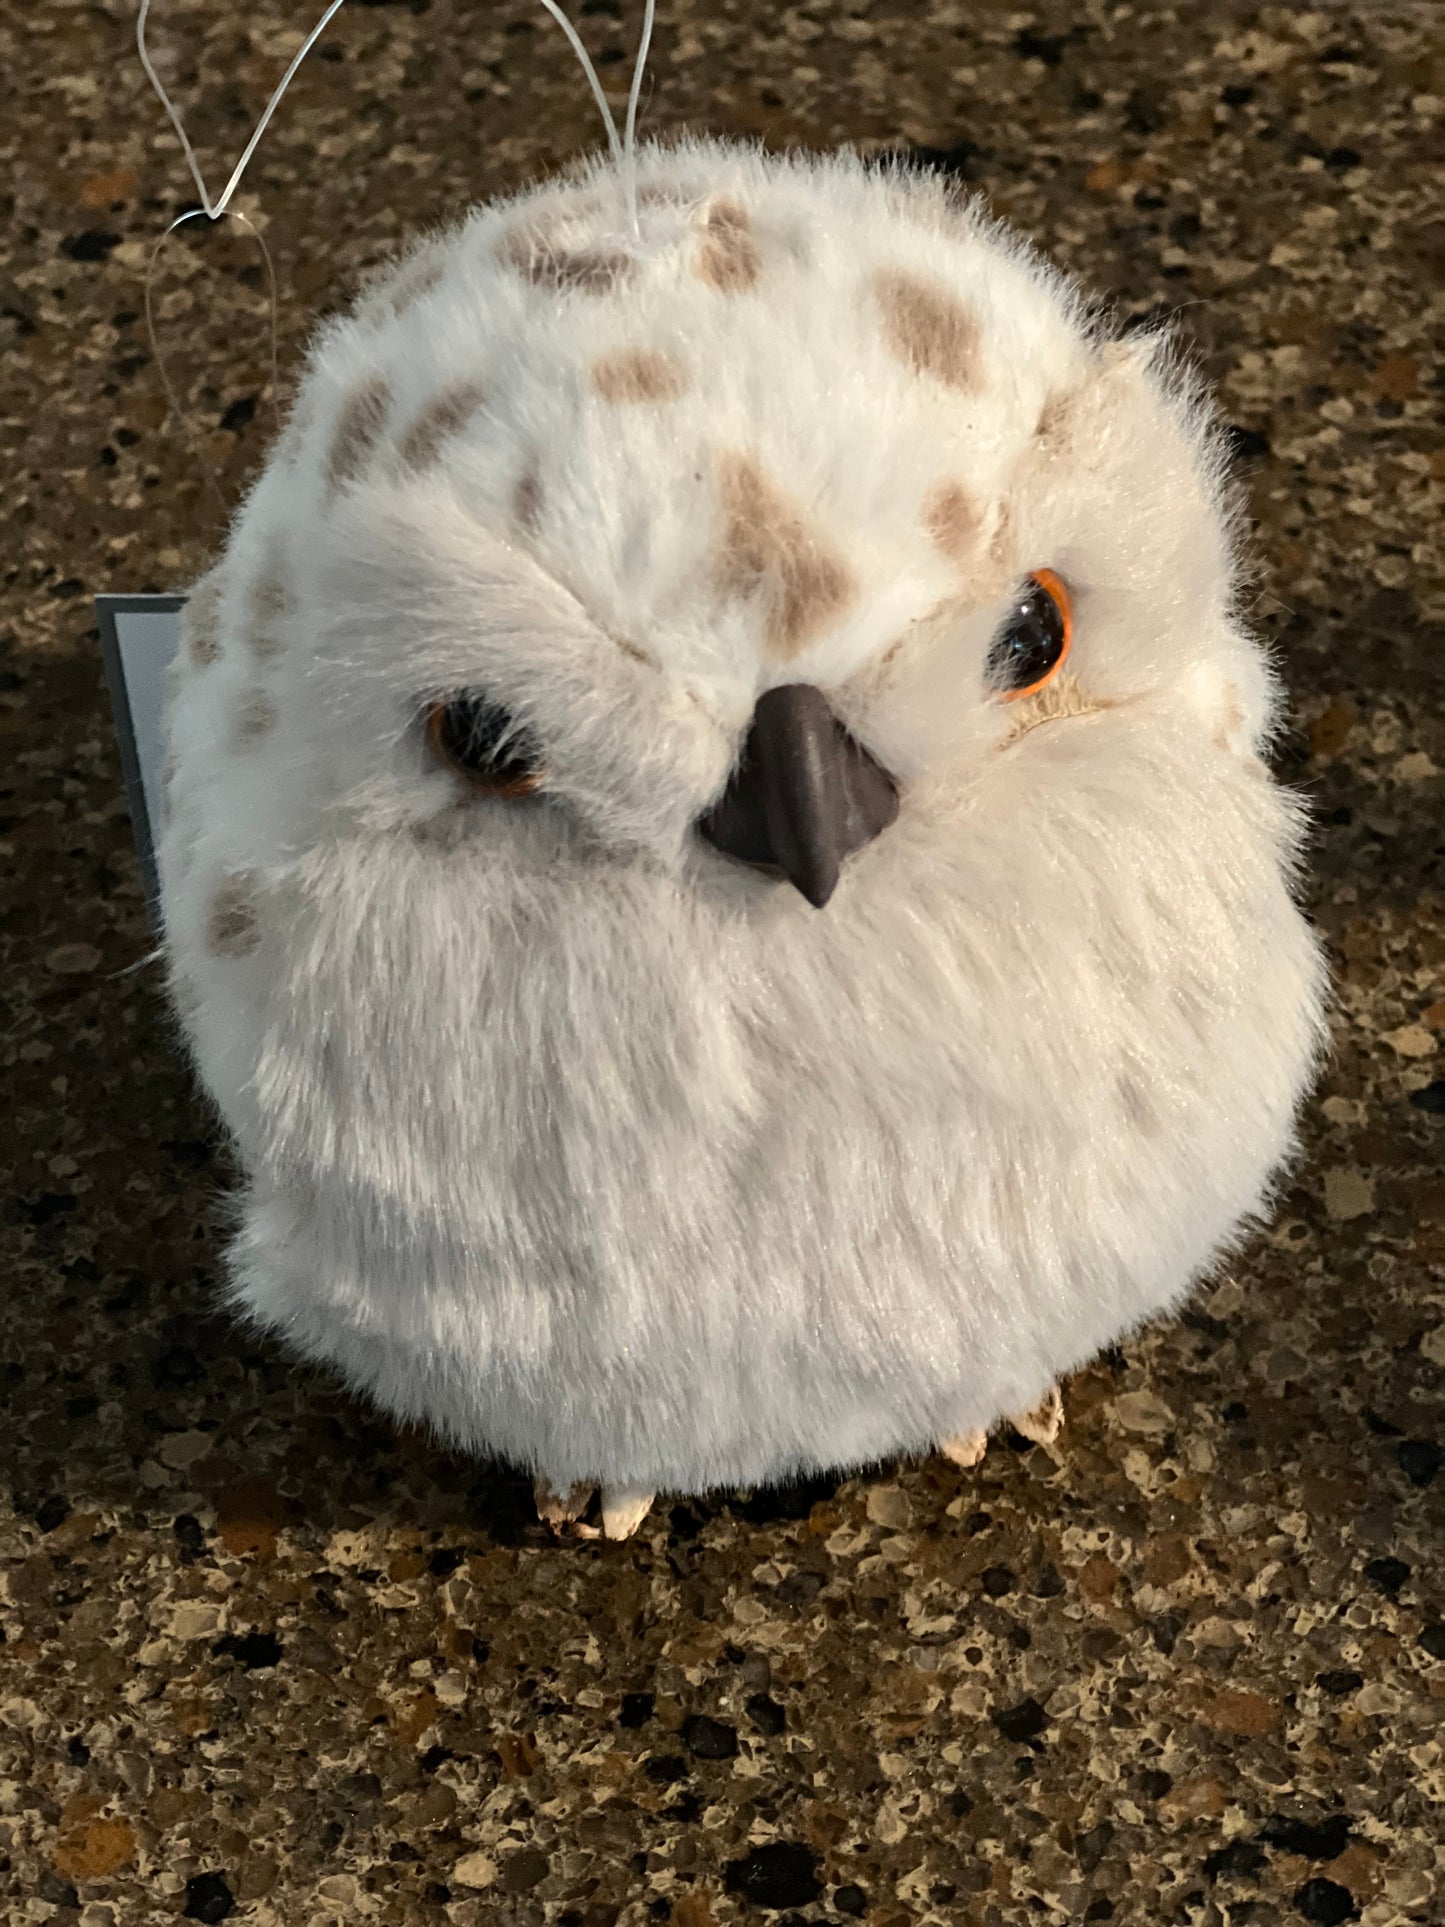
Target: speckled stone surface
(264, 1659)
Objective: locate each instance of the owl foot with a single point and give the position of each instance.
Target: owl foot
(965, 1448)
(1044, 1423)
(624, 1508)
(563, 1510)
(1041, 1425)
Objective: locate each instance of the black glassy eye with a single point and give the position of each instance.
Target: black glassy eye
(480, 741)
(1033, 643)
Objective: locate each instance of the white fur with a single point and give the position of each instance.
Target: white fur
(594, 1149)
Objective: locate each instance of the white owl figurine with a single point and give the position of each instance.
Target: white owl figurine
(718, 867)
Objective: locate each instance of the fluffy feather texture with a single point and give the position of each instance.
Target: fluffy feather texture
(579, 1141)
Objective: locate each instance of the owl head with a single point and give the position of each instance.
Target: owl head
(722, 538)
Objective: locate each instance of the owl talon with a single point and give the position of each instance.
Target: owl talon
(1044, 1422)
(965, 1448)
(624, 1508)
(563, 1510)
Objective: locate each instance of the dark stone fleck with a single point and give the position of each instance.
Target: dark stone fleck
(1100, 1908)
(1238, 94)
(765, 1713)
(1326, 1902)
(1240, 1857)
(1049, 48)
(850, 1900)
(1049, 1583)
(1154, 1784)
(1246, 445)
(1431, 1098)
(1324, 1840)
(524, 1870)
(782, 1874)
(1420, 1459)
(208, 1898)
(959, 1803)
(251, 1650)
(444, 1561)
(1383, 1428)
(1090, 1847)
(996, 1581)
(1387, 1574)
(800, 1588)
(1432, 1638)
(60, 1893)
(434, 1757)
(1021, 1722)
(94, 244)
(436, 1893)
(636, 1709)
(1340, 1681)
(1340, 160)
(1165, 1631)
(685, 1810)
(176, 1366)
(51, 1205)
(665, 1768)
(52, 1512)
(402, 1850)
(959, 160)
(709, 1739)
(240, 413)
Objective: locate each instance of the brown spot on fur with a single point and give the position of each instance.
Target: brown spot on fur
(442, 416)
(527, 501)
(638, 374)
(772, 553)
(728, 259)
(267, 604)
(254, 718)
(952, 519)
(359, 423)
(929, 328)
(232, 925)
(1056, 419)
(200, 622)
(592, 270)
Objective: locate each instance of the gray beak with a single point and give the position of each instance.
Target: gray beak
(805, 796)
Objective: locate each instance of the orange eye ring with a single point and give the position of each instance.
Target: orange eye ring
(1055, 589)
(512, 779)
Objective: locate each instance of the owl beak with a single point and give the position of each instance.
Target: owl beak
(806, 794)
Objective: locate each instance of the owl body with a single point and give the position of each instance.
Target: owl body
(578, 1138)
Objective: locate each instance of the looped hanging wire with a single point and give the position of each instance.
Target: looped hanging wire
(215, 211)
(218, 208)
(623, 149)
(173, 400)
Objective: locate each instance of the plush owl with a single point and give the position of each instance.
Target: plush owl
(719, 871)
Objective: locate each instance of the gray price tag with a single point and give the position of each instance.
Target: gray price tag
(139, 636)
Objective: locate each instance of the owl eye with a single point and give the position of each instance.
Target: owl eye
(480, 741)
(1031, 647)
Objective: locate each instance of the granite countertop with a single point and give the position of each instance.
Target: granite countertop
(264, 1657)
